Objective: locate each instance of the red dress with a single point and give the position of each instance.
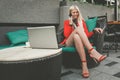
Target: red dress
(68, 30)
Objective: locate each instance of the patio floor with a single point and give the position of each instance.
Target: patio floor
(109, 69)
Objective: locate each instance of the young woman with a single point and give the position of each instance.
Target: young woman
(76, 34)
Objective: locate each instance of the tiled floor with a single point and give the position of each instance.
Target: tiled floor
(109, 69)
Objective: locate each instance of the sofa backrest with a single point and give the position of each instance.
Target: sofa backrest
(4, 28)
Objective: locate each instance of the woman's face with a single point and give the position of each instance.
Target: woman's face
(74, 13)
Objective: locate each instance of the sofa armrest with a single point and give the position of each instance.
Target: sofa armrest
(99, 38)
(98, 41)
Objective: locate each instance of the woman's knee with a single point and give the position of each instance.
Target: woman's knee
(76, 37)
(79, 30)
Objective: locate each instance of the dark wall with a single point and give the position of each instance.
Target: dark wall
(19, 14)
(86, 10)
(3, 30)
(29, 11)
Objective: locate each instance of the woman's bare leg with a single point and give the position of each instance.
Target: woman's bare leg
(80, 48)
(74, 38)
(86, 42)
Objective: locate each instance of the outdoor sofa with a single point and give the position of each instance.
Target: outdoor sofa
(70, 56)
(17, 62)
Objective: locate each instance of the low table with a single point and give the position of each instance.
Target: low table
(20, 63)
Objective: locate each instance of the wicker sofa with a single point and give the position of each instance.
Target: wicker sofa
(70, 56)
(41, 68)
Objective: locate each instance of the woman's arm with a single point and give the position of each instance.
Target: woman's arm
(67, 29)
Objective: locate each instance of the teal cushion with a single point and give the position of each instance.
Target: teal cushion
(72, 49)
(69, 49)
(91, 23)
(17, 37)
(4, 46)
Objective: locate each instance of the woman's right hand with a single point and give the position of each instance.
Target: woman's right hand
(98, 30)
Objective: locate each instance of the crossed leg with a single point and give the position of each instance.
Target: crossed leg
(84, 39)
(79, 39)
(74, 39)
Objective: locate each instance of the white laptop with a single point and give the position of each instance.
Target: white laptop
(42, 37)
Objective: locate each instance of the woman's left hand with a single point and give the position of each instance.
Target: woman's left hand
(99, 30)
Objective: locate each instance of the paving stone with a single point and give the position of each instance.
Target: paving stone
(107, 70)
(114, 78)
(78, 71)
(101, 76)
(94, 72)
(66, 73)
(117, 75)
(111, 63)
(113, 59)
(104, 62)
(74, 76)
(118, 57)
(116, 66)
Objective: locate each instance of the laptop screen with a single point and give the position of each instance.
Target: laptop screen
(43, 37)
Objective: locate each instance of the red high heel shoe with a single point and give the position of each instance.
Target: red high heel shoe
(102, 57)
(85, 74)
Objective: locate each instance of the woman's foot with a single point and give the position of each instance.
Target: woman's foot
(96, 55)
(85, 72)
